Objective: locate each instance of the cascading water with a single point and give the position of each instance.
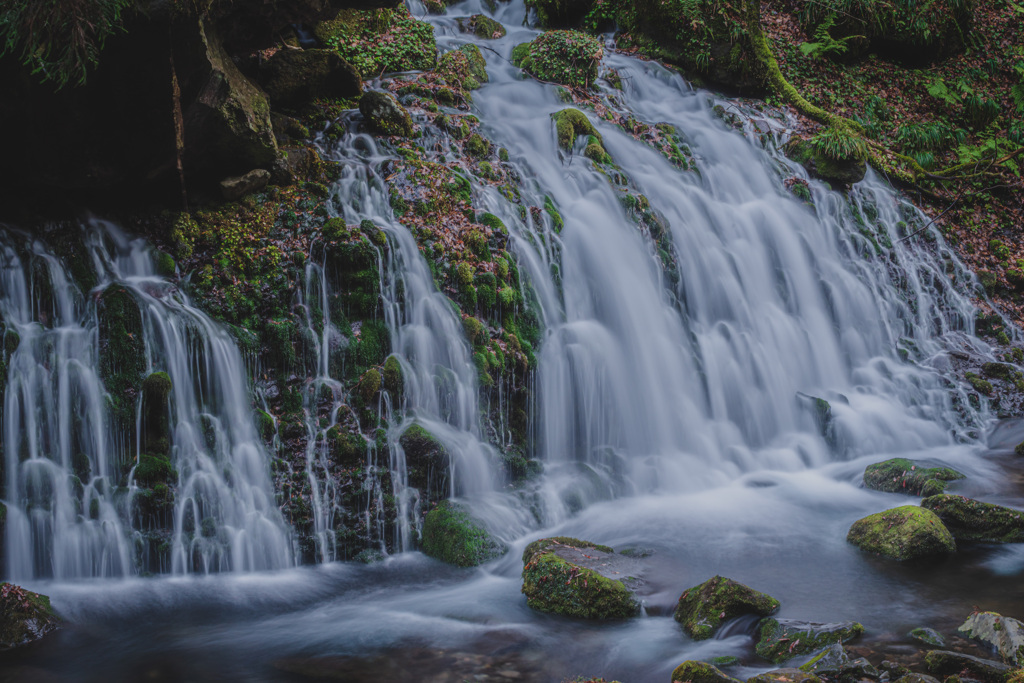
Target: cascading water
(710, 394)
(71, 495)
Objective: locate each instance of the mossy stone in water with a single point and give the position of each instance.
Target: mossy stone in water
(552, 583)
(947, 663)
(482, 26)
(782, 639)
(900, 475)
(24, 616)
(704, 608)
(903, 533)
(1005, 634)
(384, 115)
(928, 636)
(451, 535)
(153, 470)
(565, 57)
(393, 377)
(156, 434)
(700, 672)
(785, 676)
(972, 520)
(570, 124)
(427, 462)
(839, 172)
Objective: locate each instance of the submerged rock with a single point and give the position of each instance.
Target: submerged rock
(704, 608)
(482, 26)
(947, 663)
(1005, 634)
(576, 578)
(700, 672)
(972, 520)
(24, 616)
(785, 676)
(900, 475)
(384, 115)
(928, 636)
(903, 533)
(451, 535)
(781, 639)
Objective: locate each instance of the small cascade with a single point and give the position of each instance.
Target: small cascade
(99, 483)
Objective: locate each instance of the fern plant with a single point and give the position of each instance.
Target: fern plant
(824, 44)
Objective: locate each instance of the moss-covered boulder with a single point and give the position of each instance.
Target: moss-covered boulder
(900, 475)
(464, 68)
(569, 576)
(294, 77)
(570, 124)
(831, 660)
(379, 42)
(700, 672)
(1005, 634)
(560, 13)
(704, 608)
(452, 535)
(156, 431)
(972, 520)
(928, 636)
(427, 462)
(122, 354)
(948, 663)
(839, 169)
(785, 676)
(24, 616)
(782, 639)
(393, 377)
(482, 26)
(566, 57)
(903, 533)
(384, 115)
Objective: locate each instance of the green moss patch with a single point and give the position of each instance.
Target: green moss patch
(380, 40)
(946, 663)
(700, 672)
(903, 533)
(566, 57)
(782, 639)
(482, 26)
(122, 353)
(384, 115)
(451, 535)
(704, 608)
(24, 616)
(900, 475)
(972, 520)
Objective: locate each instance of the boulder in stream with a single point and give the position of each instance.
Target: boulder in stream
(900, 475)
(781, 639)
(948, 663)
(972, 520)
(384, 115)
(928, 636)
(452, 535)
(904, 533)
(24, 616)
(1005, 634)
(704, 608)
(700, 672)
(785, 676)
(578, 579)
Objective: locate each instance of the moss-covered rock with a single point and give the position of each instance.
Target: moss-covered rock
(704, 608)
(452, 535)
(393, 377)
(555, 579)
(24, 616)
(700, 672)
(947, 663)
(153, 470)
(900, 475)
(482, 26)
(427, 462)
(843, 171)
(384, 115)
(464, 68)
(928, 636)
(782, 639)
(560, 13)
(832, 660)
(378, 41)
(122, 353)
(156, 431)
(293, 77)
(570, 124)
(903, 533)
(972, 520)
(785, 676)
(1005, 634)
(566, 57)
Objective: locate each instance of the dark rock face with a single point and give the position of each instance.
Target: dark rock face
(239, 186)
(293, 77)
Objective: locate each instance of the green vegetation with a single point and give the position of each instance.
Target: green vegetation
(900, 475)
(903, 533)
(380, 40)
(972, 520)
(552, 584)
(566, 57)
(704, 608)
(451, 535)
(781, 639)
(700, 672)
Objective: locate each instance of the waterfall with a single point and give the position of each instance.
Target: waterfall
(74, 503)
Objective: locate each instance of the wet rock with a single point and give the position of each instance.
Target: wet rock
(560, 13)
(830, 660)
(903, 533)
(928, 636)
(947, 663)
(840, 172)
(482, 26)
(578, 579)
(785, 676)
(700, 672)
(156, 433)
(452, 535)
(393, 377)
(238, 186)
(781, 639)
(704, 608)
(24, 616)
(294, 77)
(972, 520)
(913, 677)
(384, 115)
(1005, 634)
(570, 124)
(900, 475)
(427, 462)
(566, 57)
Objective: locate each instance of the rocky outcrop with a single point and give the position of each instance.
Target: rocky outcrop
(704, 608)
(903, 533)
(24, 616)
(239, 186)
(972, 520)
(901, 475)
(293, 77)
(578, 579)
